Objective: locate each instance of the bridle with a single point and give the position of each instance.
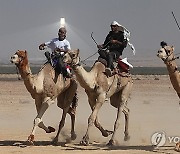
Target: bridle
(166, 60)
(78, 63)
(21, 58)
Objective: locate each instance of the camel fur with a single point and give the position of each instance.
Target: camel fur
(98, 88)
(45, 87)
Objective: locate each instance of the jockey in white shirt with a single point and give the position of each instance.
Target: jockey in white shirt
(58, 45)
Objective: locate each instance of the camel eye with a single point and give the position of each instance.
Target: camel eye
(64, 57)
(73, 55)
(159, 51)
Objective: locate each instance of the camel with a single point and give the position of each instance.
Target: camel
(166, 53)
(45, 87)
(99, 87)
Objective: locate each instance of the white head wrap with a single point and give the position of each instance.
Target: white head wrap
(115, 23)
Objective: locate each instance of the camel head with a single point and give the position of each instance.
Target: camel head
(19, 58)
(166, 53)
(72, 57)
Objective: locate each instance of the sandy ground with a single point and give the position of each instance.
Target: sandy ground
(154, 107)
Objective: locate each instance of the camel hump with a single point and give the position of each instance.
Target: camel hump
(102, 60)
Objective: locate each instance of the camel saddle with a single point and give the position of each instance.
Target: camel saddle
(120, 67)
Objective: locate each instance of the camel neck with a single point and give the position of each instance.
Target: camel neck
(25, 72)
(171, 67)
(84, 78)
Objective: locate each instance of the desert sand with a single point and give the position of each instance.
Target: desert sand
(154, 107)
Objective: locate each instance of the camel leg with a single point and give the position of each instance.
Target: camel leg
(61, 125)
(104, 132)
(64, 101)
(116, 125)
(92, 101)
(72, 113)
(92, 118)
(38, 102)
(73, 119)
(38, 119)
(72, 110)
(126, 132)
(177, 146)
(123, 100)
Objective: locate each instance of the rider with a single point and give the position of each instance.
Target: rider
(59, 46)
(115, 42)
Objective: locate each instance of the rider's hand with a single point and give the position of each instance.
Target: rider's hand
(42, 46)
(100, 46)
(114, 41)
(59, 50)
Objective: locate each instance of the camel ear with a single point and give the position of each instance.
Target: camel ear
(78, 51)
(25, 52)
(172, 48)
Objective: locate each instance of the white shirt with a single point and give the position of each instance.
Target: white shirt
(55, 43)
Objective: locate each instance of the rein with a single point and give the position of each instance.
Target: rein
(17, 72)
(166, 60)
(96, 51)
(18, 65)
(110, 86)
(77, 64)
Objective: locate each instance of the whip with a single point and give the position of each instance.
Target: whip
(92, 54)
(176, 20)
(93, 38)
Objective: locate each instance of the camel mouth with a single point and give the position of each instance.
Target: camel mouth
(163, 58)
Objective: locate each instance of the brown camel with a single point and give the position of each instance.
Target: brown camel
(98, 87)
(166, 53)
(45, 87)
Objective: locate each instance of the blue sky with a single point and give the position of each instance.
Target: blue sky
(24, 24)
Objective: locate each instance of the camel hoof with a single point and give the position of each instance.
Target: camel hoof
(107, 133)
(51, 129)
(30, 143)
(110, 143)
(84, 141)
(30, 140)
(55, 141)
(126, 138)
(177, 147)
(73, 136)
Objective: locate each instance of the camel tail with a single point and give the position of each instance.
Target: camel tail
(75, 101)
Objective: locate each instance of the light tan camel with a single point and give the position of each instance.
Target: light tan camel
(166, 53)
(45, 87)
(98, 87)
